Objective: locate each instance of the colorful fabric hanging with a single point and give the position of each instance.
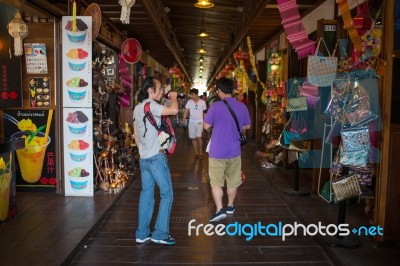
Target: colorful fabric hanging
(294, 28)
(349, 25)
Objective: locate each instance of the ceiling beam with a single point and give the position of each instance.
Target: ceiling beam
(156, 11)
(251, 11)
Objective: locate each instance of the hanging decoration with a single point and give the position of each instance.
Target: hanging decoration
(174, 70)
(349, 25)
(362, 20)
(294, 28)
(253, 63)
(94, 11)
(18, 29)
(241, 55)
(126, 10)
(131, 50)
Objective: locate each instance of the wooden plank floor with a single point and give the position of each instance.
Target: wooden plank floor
(114, 241)
(51, 229)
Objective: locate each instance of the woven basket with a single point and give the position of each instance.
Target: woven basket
(346, 188)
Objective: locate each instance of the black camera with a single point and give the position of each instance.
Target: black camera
(179, 96)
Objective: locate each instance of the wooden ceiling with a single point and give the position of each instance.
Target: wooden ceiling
(167, 29)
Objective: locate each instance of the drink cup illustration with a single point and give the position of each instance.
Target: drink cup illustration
(5, 179)
(31, 158)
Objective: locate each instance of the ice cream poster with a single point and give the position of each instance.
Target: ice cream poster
(36, 58)
(77, 61)
(36, 163)
(78, 151)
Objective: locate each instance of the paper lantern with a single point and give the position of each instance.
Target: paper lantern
(241, 55)
(126, 10)
(174, 70)
(18, 30)
(230, 67)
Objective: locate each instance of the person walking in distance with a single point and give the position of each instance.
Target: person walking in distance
(153, 164)
(195, 107)
(225, 152)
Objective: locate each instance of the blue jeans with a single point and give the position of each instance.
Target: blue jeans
(155, 170)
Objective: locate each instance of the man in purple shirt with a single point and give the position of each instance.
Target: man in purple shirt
(224, 153)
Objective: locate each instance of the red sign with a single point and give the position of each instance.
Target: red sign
(131, 51)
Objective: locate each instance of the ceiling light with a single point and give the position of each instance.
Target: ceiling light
(201, 66)
(204, 4)
(202, 33)
(201, 71)
(201, 59)
(202, 50)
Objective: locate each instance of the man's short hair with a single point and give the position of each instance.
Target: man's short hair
(225, 85)
(195, 91)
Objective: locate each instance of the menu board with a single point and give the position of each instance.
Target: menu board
(39, 92)
(36, 163)
(77, 62)
(78, 151)
(36, 58)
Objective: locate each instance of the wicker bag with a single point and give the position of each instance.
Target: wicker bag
(346, 188)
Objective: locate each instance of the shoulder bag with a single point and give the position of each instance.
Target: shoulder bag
(242, 138)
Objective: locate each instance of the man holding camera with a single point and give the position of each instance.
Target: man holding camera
(195, 107)
(225, 154)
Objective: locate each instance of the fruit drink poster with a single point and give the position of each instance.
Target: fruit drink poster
(36, 58)
(39, 92)
(78, 151)
(77, 61)
(36, 163)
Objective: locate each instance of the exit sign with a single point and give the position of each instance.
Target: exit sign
(329, 27)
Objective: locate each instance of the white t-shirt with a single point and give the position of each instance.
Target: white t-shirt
(148, 143)
(196, 109)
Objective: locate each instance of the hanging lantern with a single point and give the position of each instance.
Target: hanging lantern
(230, 67)
(18, 30)
(179, 75)
(174, 70)
(126, 10)
(241, 55)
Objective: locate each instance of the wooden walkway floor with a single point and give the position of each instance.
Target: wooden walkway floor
(257, 201)
(51, 229)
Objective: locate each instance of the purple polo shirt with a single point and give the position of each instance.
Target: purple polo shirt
(225, 142)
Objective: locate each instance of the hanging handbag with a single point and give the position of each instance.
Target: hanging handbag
(296, 104)
(288, 137)
(354, 139)
(321, 70)
(354, 158)
(300, 145)
(309, 90)
(346, 188)
(242, 138)
(340, 96)
(358, 110)
(364, 175)
(298, 124)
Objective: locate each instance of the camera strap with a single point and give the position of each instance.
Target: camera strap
(233, 115)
